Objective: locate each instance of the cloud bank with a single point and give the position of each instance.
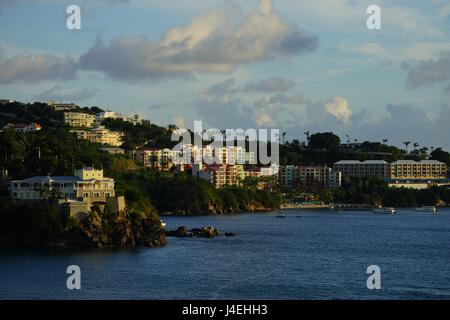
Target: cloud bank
(215, 42)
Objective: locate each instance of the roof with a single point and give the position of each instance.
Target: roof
(58, 179)
(417, 162)
(47, 179)
(361, 162)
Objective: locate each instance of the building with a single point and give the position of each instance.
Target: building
(99, 117)
(417, 170)
(164, 159)
(113, 150)
(253, 173)
(301, 177)
(272, 170)
(356, 168)
(6, 101)
(397, 171)
(101, 135)
(58, 106)
(87, 185)
(220, 175)
(77, 119)
(24, 128)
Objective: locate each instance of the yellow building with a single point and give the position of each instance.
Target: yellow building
(77, 119)
(417, 170)
(223, 175)
(101, 135)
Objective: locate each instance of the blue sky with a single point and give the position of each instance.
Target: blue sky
(294, 65)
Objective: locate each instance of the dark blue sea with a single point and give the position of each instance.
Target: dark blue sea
(307, 255)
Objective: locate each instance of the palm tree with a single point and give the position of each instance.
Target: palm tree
(406, 143)
(416, 145)
(307, 136)
(385, 141)
(284, 134)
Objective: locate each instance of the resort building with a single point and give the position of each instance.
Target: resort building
(421, 170)
(220, 175)
(99, 117)
(101, 135)
(300, 177)
(24, 128)
(87, 185)
(397, 171)
(355, 168)
(76, 119)
(164, 159)
(58, 106)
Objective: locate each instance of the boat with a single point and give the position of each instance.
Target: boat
(427, 209)
(385, 210)
(280, 214)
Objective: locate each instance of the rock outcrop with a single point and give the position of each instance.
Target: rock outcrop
(208, 232)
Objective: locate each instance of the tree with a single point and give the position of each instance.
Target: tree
(325, 140)
(406, 143)
(441, 155)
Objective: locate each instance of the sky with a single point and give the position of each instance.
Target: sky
(292, 65)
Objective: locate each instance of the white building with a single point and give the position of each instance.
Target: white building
(24, 128)
(99, 117)
(87, 185)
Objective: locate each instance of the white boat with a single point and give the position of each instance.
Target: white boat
(427, 209)
(385, 210)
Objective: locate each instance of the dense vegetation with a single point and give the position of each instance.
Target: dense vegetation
(375, 191)
(184, 194)
(41, 224)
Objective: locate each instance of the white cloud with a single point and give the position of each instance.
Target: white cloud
(417, 51)
(215, 42)
(330, 112)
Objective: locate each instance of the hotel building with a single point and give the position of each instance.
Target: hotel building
(101, 135)
(76, 119)
(299, 177)
(413, 170)
(164, 159)
(57, 106)
(220, 175)
(355, 168)
(398, 170)
(99, 117)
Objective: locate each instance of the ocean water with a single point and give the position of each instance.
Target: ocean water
(307, 255)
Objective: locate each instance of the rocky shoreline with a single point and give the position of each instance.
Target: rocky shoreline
(204, 232)
(213, 211)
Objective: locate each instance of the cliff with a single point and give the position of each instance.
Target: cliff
(41, 225)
